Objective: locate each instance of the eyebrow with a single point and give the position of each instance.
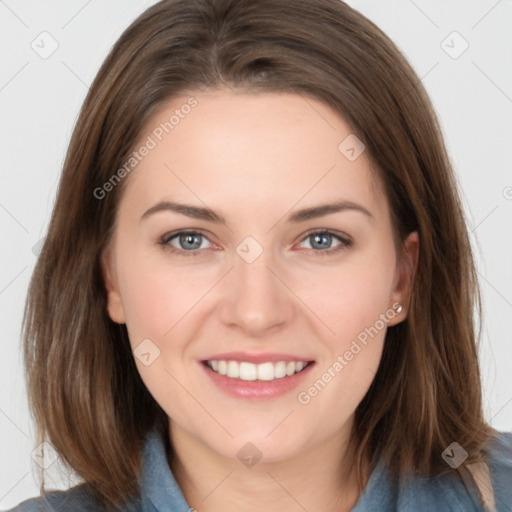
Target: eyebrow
(207, 214)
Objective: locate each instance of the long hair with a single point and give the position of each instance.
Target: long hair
(85, 392)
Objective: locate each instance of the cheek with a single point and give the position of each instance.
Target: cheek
(354, 306)
(346, 298)
(158, 300)
(157, 295)
(350, 297)
(146, 302)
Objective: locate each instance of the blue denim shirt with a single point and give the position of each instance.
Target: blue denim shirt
(161, 493)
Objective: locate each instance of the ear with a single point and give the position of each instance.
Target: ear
(404, 277)
(115, 307)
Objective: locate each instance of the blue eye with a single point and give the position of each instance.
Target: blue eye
(191, 243)
(321, 242)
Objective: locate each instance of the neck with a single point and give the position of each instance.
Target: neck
(318, 479)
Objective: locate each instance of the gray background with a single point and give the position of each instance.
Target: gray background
(40, 96)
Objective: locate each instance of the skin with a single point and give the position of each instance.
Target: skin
(254, 159)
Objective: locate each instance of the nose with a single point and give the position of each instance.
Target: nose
(256, 301)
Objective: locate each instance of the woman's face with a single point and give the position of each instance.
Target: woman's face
(215, 264)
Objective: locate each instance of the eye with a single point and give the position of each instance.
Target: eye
(190, 243)
(320, 241)
(186, 243)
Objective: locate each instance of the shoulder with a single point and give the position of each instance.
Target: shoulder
(491, 485)
(499, 460)
(77, 499)
(488, 487)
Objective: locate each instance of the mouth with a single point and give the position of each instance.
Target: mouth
(266, 372)
(260, 377)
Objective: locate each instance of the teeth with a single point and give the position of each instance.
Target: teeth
(265, 371)
(233, 370)
(249, 371)
(223, 367)
(280, 370)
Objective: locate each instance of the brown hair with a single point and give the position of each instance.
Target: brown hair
(85, 391)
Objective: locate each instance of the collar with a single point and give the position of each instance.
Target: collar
(160, 491)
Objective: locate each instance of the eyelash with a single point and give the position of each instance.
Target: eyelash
(345, 242)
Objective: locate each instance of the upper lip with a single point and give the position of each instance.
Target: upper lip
(256, 358)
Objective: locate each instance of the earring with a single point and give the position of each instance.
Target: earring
(399, 308)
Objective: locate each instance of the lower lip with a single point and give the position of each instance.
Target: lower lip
(257, 388)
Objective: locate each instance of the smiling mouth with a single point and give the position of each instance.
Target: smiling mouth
(256, 372)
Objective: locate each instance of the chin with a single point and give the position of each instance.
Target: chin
(256, 443)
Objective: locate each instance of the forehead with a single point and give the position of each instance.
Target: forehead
(264, 148)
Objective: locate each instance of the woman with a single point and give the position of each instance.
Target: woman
(257, 288)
